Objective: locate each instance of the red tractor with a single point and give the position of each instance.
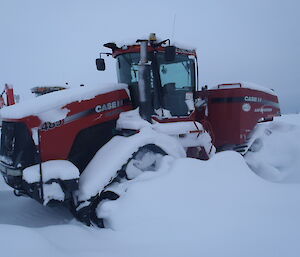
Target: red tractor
(77, 146)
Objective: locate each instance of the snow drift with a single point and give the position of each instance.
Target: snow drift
(278, 159)
(188, 207)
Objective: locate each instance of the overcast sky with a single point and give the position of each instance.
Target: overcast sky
(50, 42)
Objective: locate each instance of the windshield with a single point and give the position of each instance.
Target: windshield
(181, 71)
(127, 68)
(176, 82)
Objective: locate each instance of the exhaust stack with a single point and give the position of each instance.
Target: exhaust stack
(144, 87)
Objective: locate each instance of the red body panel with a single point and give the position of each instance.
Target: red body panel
(58, 141)
(234, 112)
(57, 138)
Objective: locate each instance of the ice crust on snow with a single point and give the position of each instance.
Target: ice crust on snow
(48, 107)
(54, 169)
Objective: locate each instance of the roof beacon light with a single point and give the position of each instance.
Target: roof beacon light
(152, 37)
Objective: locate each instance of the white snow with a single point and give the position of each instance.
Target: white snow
(35, 136)
(188, 133)
(278, 160)
(166, 136)
(113, 155)
(131, 120)
(218, 207)
(53, 191)
(53, 115)
(48, 107)
(54, 169)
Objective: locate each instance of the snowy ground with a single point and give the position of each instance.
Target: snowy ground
(188, 208)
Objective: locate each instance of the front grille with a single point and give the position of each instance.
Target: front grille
(17, 147)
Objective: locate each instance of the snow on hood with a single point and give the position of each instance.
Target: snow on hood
(48, 107)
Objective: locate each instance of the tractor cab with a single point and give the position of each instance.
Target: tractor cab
(169, 76)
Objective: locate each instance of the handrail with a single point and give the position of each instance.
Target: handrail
(230, 84)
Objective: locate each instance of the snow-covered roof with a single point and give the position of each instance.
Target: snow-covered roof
(132, 41)
(249, 85)
(53, 102)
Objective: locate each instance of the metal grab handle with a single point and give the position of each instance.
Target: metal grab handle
(232, 84)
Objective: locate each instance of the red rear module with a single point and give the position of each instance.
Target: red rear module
(233, 110)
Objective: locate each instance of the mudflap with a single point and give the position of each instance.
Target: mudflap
(197, 153)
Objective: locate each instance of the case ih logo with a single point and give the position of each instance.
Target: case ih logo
(108, 106)
(253, 99)
(98, 109)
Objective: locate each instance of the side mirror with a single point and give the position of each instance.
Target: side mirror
(170, 53)
(100, 63)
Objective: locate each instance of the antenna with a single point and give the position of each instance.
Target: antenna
(173, 29)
